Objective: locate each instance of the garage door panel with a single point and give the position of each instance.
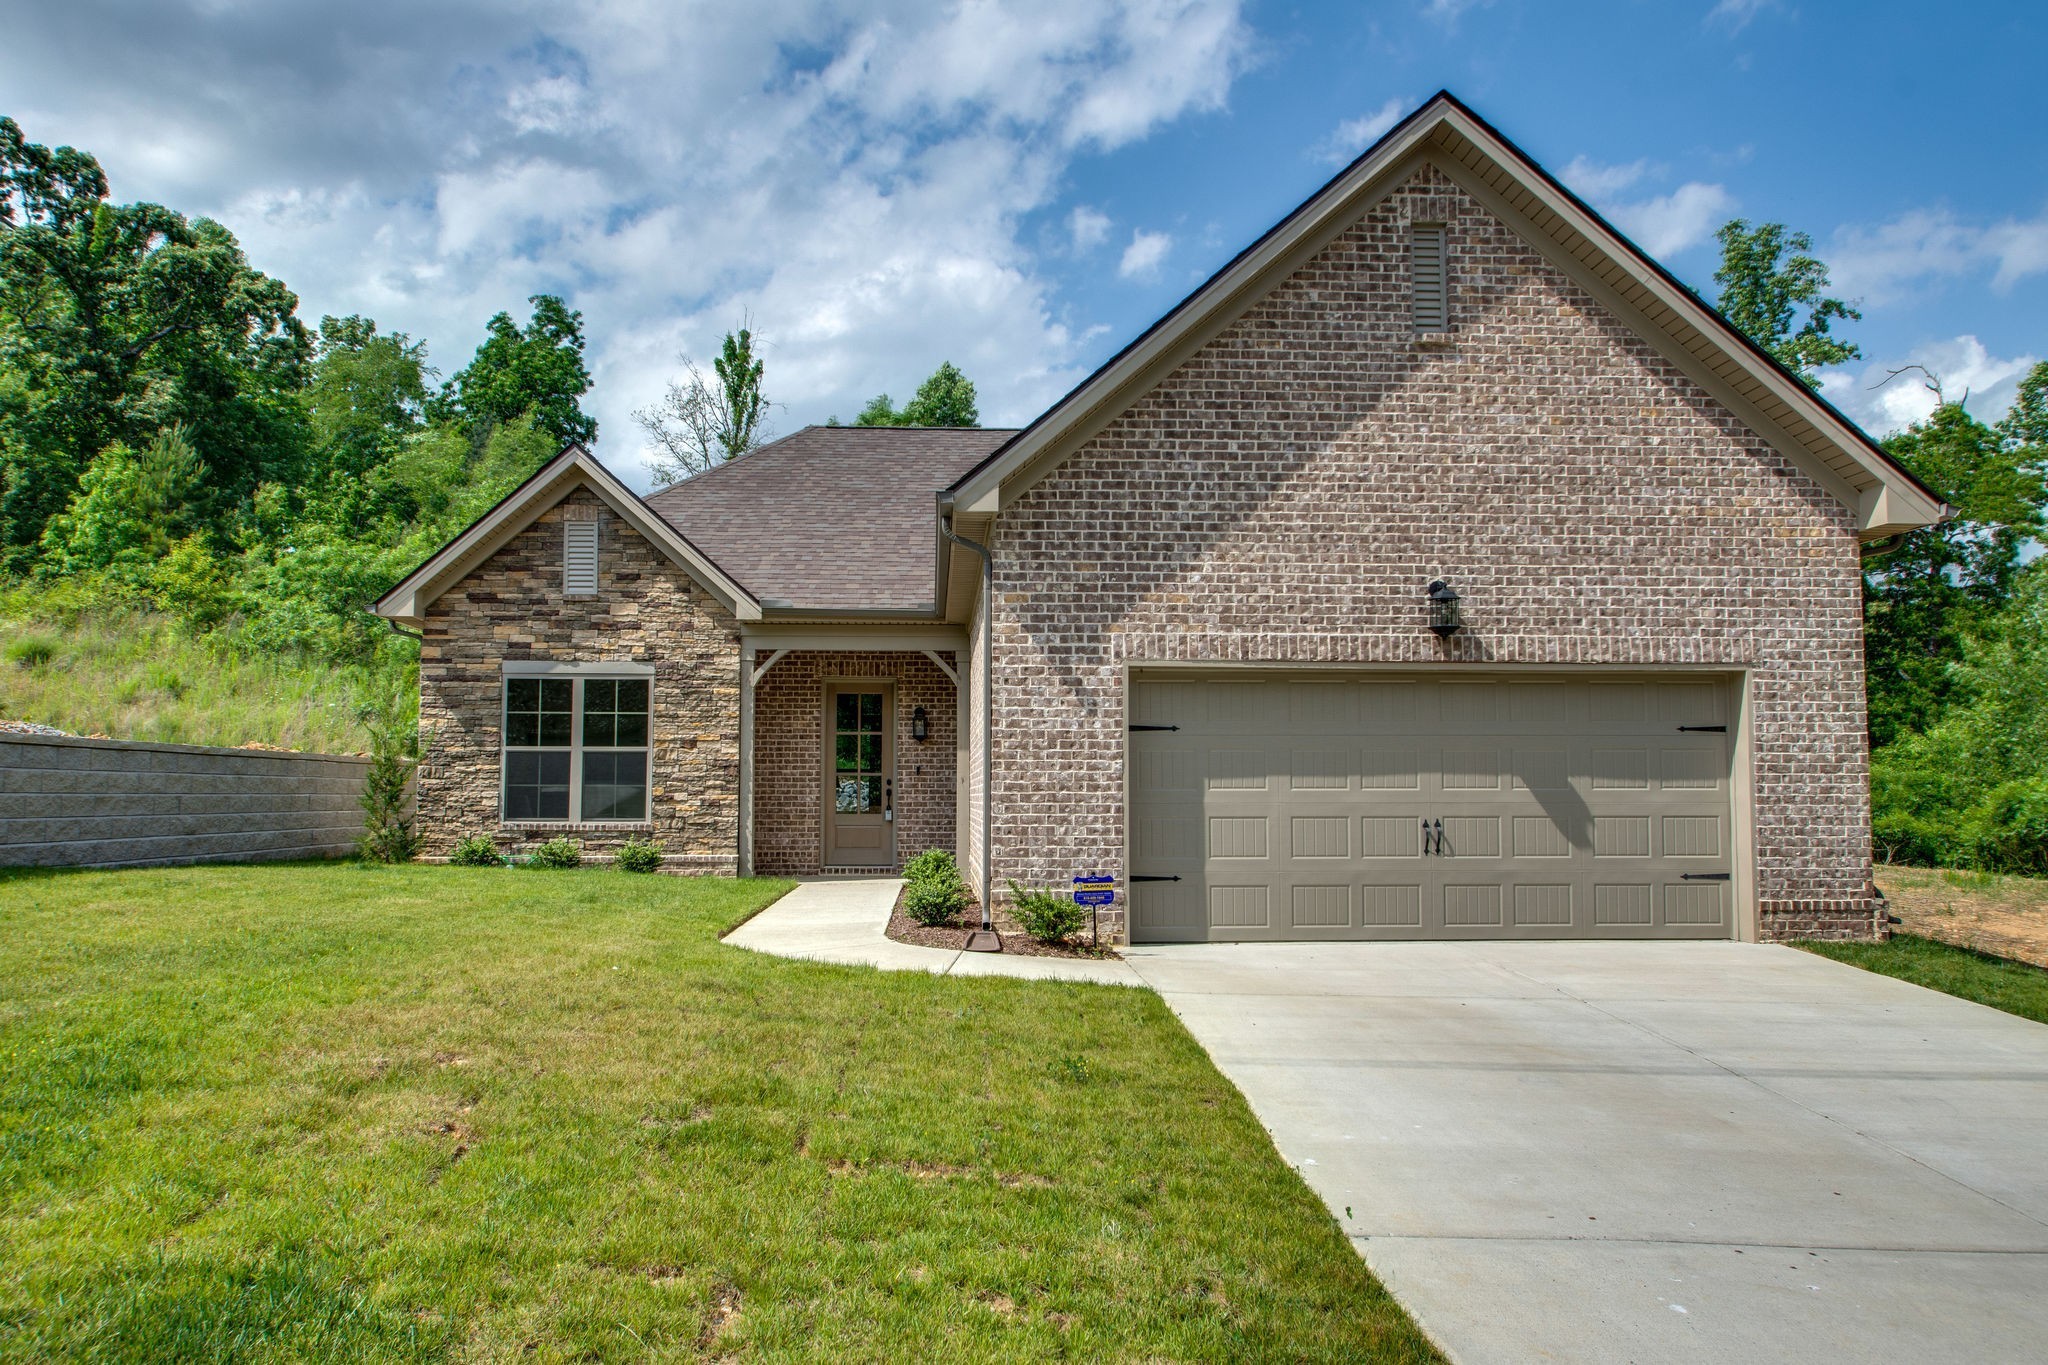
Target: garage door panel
(1295, 807)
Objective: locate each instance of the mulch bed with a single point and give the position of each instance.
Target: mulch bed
(904, 929)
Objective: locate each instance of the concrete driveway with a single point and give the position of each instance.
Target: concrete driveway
(1650, 1152)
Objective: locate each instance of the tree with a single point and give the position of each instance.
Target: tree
(1945, 583)
(130, 506)
(119, 321)
(368, 393)
(538, 369)
(1763, 288)
(699, 423)
(945, 399)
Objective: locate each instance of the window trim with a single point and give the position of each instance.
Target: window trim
(577, 676)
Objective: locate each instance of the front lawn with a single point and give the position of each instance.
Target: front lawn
(334, 1112)
(2015, 987)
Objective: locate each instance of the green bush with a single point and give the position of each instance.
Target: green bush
(932, 902)
(1047, 916)
(558, 852)
(638, 855)
(31, 651)
(934, 864)
(476, 850)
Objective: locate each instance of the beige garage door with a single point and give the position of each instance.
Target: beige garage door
(1320, 807)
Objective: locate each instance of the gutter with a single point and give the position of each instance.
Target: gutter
(988, 699)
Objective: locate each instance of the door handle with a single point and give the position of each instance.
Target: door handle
(888, 798)
(1432, 838)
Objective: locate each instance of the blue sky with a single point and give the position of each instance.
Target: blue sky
(1022, 189)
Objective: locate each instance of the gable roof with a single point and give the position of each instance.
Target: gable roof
(830, 519)
(1499, 175)
(575, 467)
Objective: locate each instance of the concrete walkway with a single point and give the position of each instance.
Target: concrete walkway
(846, 919)
(1650, 1152)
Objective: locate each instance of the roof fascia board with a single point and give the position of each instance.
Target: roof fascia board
(554, 481)
(1660, 340)
(1228, 293)
(1679, 300)
(821, 635)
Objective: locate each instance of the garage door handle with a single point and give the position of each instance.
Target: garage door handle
(1174, 878)
(1704, 876)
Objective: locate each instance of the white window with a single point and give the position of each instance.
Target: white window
(1430, 276)
(579, 558)
(575, 749)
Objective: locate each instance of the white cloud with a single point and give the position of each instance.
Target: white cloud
(1662, 225)
(855, 178)
(1088, 227)
(1670, 223)
(1894, 259)
(1882, 405)
(1736, 14)
(1353, 136)
(1143, 256)
(1593, 181)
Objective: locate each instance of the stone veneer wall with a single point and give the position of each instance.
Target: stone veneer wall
(1286, 495)
(646, 611)
(789, 719)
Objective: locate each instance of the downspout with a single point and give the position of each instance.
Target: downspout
(988, 703)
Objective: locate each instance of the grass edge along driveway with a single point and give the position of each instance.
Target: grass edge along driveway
(329, 1111)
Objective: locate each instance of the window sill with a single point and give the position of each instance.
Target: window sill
(570, 826)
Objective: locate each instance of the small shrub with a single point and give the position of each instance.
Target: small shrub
(558, 853)
(638, 855)
(934, 864)
(1047, 916)
(31, 651)
(932, 902)
(476, 850)
(388, 833)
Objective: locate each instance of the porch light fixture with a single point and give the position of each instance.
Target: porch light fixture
(920, 728)
(1443, 609)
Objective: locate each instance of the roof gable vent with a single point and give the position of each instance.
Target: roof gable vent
(1429, 276)
(579, 558)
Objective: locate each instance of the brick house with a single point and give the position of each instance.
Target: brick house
(1441, 567)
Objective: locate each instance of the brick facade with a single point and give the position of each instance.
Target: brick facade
(789, 717)
(646, 611)
(1286, 494)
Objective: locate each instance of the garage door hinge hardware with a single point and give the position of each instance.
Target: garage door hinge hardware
(1174, 878)
(1704, 876)
(1155, 727)
(1704, 729)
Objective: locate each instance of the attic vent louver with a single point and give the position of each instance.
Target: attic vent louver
(579, 558)
(1429, 274)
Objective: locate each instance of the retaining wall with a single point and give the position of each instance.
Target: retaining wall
(116, 803)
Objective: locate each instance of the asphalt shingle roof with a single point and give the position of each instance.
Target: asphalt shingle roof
(829, 517)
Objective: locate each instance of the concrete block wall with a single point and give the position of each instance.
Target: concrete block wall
(116, 803)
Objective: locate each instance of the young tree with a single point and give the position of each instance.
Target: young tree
(700, 423)
(538, 369)
(945, 399)
(1767, 276)
(1944, 583)
(130, 506)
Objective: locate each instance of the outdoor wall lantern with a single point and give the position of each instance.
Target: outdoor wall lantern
(1443, 609)
(920, 728)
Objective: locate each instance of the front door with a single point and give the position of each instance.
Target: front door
(860, 775)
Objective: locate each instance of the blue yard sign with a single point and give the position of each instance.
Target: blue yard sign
(1096, 891)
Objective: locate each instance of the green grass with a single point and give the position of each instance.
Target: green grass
(2015, 987)
(418, 1113)
(136, 675)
